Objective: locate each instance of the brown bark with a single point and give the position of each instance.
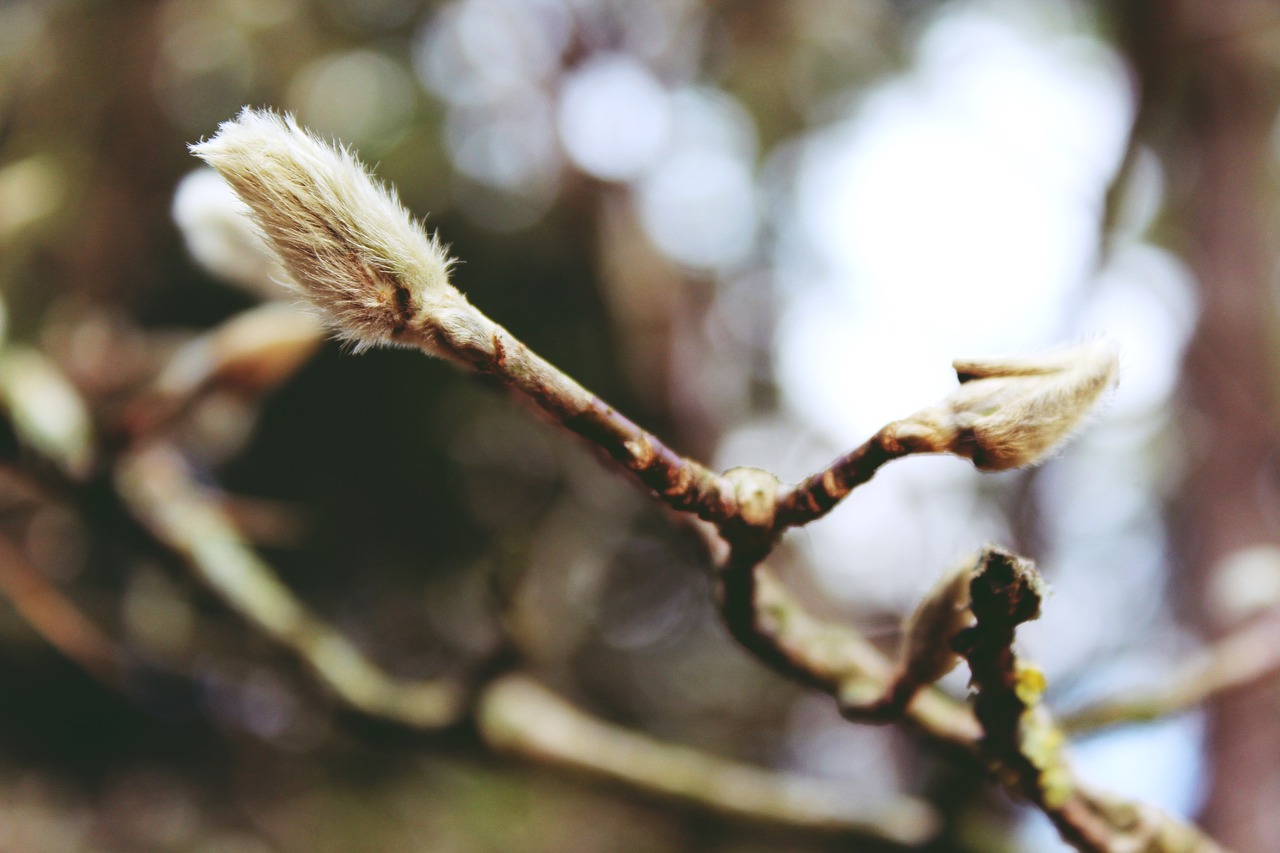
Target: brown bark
(1206, 68)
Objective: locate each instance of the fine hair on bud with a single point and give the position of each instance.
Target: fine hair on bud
(344, 237)
(1013, 412)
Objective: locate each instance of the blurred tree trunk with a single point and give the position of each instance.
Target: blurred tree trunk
(1210, 91)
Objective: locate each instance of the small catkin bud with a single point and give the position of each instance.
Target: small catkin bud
(926, 653)
(1013, 412)
(342, 236)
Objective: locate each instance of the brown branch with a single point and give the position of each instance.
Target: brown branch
(819, 493)
(157, 486)
(472, 340)
(516, 715)
(1007, 413)
(768, 621)
(1249, 656)
(1021, 738)
(55, 618)
(384, 280)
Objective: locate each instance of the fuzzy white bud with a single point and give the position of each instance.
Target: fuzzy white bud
(1013, 412)
(343, 237)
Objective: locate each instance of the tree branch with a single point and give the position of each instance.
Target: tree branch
(1249, 656)
(518, 716)
(1020, 736)
(768, 621)
(55, 618)
(357, 254)
(158, 487)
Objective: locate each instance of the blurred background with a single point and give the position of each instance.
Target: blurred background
(763, 228)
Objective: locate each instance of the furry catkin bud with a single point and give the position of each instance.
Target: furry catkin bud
(1013, 412)
(342, 236)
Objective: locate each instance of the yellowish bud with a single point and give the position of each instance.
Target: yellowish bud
(253, 352)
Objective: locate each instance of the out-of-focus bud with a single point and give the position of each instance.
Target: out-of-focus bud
(30, 191)
(1244, 584)
(343, 237)
(1008, 413)
(251, 353)
(221, 236)
(47, 413)
(926, 653)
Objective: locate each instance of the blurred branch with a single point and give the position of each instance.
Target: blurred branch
(158, 487)
(514, 714)
(250, 354)
(54, 617)
(770, 622)
(518, 716)
(1249, 656)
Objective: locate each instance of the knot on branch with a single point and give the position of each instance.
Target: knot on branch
(754, 503)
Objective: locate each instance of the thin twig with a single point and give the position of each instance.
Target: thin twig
(767, 620)
(55, 618)
(517, 715)
(1247, 657)
(488, 348)
(819, 493)
(158, 487)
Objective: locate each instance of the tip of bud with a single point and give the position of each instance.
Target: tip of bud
(343, 237)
